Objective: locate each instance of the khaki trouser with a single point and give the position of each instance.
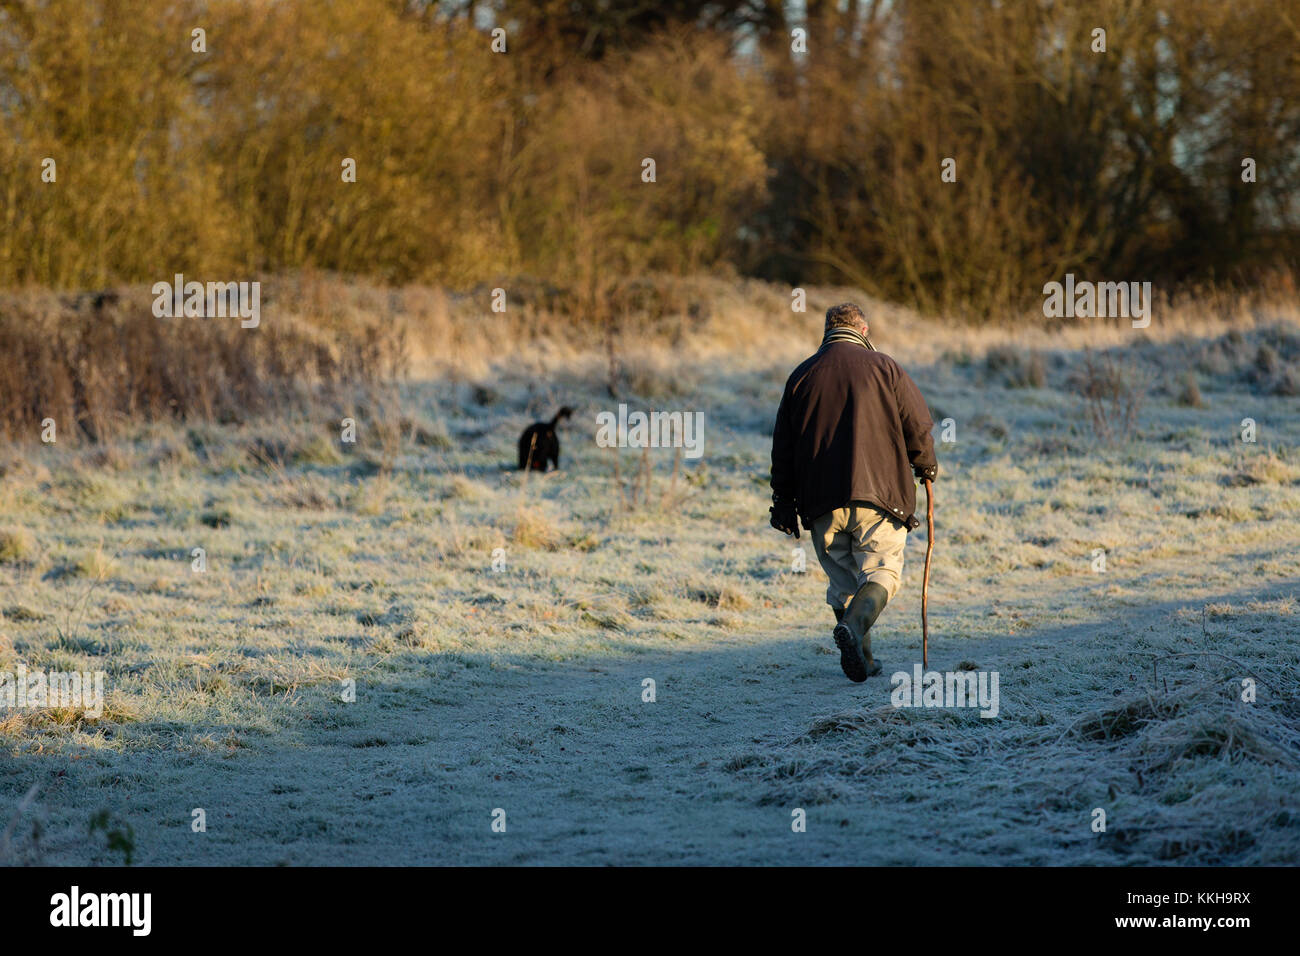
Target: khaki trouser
(855, 545)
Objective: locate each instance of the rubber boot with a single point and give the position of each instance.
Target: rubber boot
(853, 633)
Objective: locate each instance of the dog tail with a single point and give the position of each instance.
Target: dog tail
(564, 412)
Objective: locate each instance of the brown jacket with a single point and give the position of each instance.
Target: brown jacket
(852, 426)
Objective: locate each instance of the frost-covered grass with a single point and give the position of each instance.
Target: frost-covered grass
(513, 678)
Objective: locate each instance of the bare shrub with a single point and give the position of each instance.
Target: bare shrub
(93, 370)
(1016, 368)
(1111, 395)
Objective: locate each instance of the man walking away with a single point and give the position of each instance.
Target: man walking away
(851, 432)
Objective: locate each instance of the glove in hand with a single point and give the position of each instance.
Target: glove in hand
(784, 517)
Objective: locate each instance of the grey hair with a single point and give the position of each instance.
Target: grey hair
(846, 315)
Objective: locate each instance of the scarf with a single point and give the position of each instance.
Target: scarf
(845, 335)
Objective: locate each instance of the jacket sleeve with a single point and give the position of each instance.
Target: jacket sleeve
(783, 475)
(917, 424)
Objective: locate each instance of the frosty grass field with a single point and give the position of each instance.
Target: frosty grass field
(512, 679)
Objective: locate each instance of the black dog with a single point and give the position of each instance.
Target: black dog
(539, 444)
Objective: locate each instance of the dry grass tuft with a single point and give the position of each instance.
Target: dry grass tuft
(533, 529)
(17, 545)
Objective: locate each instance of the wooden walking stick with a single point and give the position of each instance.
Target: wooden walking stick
(925, 581)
